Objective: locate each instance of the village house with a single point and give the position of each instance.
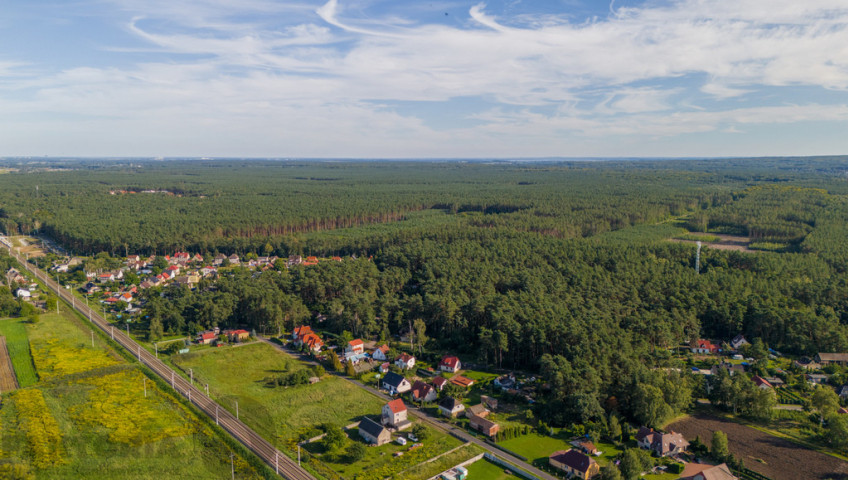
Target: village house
(832, 358)
(423, 392)
(585, 446)
(239, 335)
(483, 425)
(293, 260)
(705, 347)
(663, 444)
(816, 378)
(13, 277)
(384, 367)
(395, 415)
(304, 335)
(704, 471)
(574, 463)
(738, 341)
(762, 383)
(395, 383)
(439, 383)
(219, 259)
(731, 368)
(373, 432)
(843, 392)
(381, 353)
(234, 259)
(355, 347)
(23, 293)
(478, 410)
(451, 407)
(450, 363)
(490, 402)
(205, 338)
(405, 361)
(106, 277)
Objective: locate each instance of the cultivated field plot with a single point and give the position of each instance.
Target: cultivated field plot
(774, 457)
(8, 382)
(97, 417)
(17, 344)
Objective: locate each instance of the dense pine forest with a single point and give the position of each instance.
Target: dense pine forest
(562, 268)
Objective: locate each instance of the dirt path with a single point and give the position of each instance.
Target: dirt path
(8, 381)
(771, 456)
(725, 242)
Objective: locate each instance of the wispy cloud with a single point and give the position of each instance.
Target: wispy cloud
(307, 78)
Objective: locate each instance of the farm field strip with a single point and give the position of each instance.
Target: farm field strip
(249, 438)
(8, 381)
(17, 344)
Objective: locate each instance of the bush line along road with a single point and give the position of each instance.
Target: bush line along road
(281, 463)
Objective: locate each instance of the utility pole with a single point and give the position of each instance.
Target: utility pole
(276, 463)
(216, 414)
(172, 379)
(191, 375)
(236, 409)
(232, 466)
(298, 454)
(92, 339)
(144, 381)
(207, 391)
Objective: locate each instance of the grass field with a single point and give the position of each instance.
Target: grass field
(484, 469)
(17, 343)
(534, 446)
(281, 414)
(91, 418)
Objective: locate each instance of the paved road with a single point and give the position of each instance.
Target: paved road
(282, 464)
(433, 421)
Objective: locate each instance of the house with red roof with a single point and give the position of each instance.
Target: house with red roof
(423, 392)
(304, 335)
(439, 383)
(205, 338)
(663, 444)
(237, 335)
(450, 363)
(395, 415)
(705, 347)
(355, 347)
(381, 353)
(405, 361)
(762, 383)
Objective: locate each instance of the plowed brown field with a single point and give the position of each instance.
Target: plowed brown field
(8, 381)
(771, 456)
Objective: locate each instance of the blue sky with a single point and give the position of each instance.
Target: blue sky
(413, 79)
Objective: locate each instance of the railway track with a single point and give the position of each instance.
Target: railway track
(282, 464)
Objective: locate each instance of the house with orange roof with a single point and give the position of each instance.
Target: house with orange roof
(355, 347)
(461, 381)
(395, 415)
(381, 353)
(450, 363)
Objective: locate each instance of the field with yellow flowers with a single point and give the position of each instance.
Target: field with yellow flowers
(92, 415)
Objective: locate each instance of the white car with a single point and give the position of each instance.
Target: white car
(412, 437)
(401, 441)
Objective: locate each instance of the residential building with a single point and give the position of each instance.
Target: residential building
(663, 444)
(585, 446)
(483, 425)
(705, 347)
(451, 407)
(478, 410)
(405, 361)
(381, 353)
(762, 383)
(450, 363)
(703, 471)
(355, 347)
(237, 335)
(439, 383)
(373, 432)
(574, 463)
(738, 341)
(395, 383)
(505, 382)
(395, 415)
(832, 358)
(423, 392)
(205, 338)
(843, 392)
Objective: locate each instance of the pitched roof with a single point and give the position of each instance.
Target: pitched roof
(706, 472)
(355, 343)
(462, 381)
(478, 410)
(393, 379)
(450, 403)
(396, 406)
(643, 433)
(574, 459)
(439, 382)
(405, 358)
(383, 348)
(420, 389)
(760, 381)
(450, 361)
(833, 357)
(483, 423)
(371, 427)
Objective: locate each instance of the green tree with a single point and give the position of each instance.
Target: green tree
(334, 439)
(649, 407)
(611, 472)
(155, 331)
(350, 370)
(420, 431)
(719, 449)
(634, 461)
(614, 429)
(355, 452)
(825, 401)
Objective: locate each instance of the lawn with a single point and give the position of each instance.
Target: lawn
(17, 343)
(484, 469)
(534, 446)
(91, 418)
(282, 414)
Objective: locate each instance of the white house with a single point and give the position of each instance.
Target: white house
(381, 353)
(405, 361)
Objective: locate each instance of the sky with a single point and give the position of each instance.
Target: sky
(423, 79)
